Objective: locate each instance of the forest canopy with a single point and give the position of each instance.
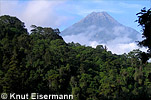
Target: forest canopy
(42, 62)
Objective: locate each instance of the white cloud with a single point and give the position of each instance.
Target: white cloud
(93, 44)
(122, 43)
(41, 12)
(116, 45)
(79, 38)
(120, 48)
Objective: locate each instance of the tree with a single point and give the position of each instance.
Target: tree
(144, 19)
(46, 32)
(11, 26)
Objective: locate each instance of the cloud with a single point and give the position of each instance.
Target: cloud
(93, 44)
(83, 36)
(121, 45)
(122, 48)
(119, 39)
(8, 7)
(79, 38)
(117, 46)
(41, 12)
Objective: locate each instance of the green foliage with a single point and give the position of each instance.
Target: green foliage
(10, 27)
(42, 62)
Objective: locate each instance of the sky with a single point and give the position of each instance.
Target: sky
(64, 13)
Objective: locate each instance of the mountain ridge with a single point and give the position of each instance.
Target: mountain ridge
(100, 27)
(95, 16)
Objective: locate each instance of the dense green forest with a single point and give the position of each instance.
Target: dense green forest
(42, 62)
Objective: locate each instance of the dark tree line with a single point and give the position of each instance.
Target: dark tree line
(41, 62)
(144, 19)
